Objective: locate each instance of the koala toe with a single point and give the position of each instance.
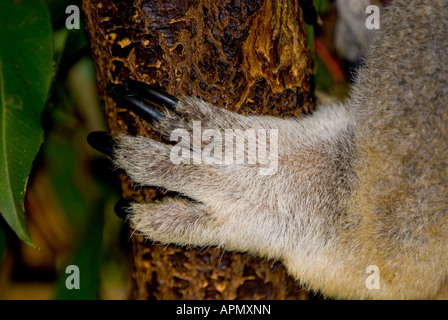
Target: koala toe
(167, 113)
(102, 142)
(123, 209)
(171, 220)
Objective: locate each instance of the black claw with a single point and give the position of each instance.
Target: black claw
(152, 94)
(122, 208)
(103, 142)
(132, 101)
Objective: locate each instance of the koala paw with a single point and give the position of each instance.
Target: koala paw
(219, 190)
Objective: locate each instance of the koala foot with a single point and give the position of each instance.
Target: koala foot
(216, 200)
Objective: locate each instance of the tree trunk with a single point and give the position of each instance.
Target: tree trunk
(249, 56)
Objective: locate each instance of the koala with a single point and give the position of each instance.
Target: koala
(357, 184)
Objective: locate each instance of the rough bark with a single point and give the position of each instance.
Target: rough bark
(249, 56)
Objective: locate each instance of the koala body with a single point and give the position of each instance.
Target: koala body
(358, 184)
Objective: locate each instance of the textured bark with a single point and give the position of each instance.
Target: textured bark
(249, 56)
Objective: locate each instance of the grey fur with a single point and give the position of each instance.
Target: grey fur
(359, 184)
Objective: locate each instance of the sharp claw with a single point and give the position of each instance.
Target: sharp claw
(152, 94)
(132, 101)
(122, 208)
(103, 142)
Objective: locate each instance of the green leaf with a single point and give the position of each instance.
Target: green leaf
(26, 56)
